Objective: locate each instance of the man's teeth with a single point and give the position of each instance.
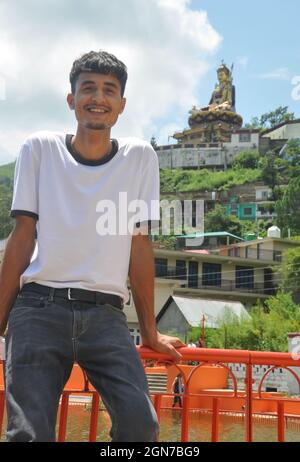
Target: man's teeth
(97, 110)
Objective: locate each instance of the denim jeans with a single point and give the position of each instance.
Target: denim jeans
(44, 338)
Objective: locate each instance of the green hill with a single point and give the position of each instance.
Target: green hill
(179, 180)
(7, 173)
(6, 190)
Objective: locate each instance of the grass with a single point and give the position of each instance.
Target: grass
(205, 180)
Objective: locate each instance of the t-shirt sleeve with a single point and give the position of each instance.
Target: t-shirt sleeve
(149, 209)
(26, 183)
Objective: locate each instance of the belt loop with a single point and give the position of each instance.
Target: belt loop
(51, 294)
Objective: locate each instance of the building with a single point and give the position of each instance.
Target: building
(207, 275)
(270, 249)
(195, 154)
(179, 314)
(285, 131)
(190, 152)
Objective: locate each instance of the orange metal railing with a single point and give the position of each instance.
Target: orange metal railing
(252, 400)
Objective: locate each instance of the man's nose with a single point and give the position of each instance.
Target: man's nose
(99, 95)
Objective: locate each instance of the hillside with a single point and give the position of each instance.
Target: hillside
(7, 173)
(172, 181)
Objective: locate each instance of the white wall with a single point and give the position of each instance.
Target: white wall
(286, 132)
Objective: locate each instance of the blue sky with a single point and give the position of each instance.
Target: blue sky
(171, 48)
(262, 39)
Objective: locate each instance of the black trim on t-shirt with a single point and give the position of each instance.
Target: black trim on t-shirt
(93, 163)
(15, 213)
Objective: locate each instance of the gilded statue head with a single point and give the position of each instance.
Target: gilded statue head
(223, 73)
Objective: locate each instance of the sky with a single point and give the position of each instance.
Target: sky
(172, 49)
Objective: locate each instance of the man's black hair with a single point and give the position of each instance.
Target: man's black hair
(100, 62)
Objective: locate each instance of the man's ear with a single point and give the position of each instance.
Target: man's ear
(123, 104)
(70, 100)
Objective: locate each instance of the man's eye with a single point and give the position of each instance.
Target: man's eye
(87, 89)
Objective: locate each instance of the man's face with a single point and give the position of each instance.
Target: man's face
(222, 76)
(97, 100)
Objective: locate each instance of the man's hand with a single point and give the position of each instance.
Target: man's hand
(165, 344)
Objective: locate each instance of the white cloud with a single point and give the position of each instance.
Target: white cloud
(166, 46)
(281, 73)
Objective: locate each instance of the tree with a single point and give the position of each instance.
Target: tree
(154, 142)
(6, 223)
(290, 273)
(271, 119)
(270, 172)
(218, 220)
(288, 210)
(246, 160)
(290, 156)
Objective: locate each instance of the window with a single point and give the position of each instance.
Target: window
(245, 138)
(244, 277)
(277, 255)
(193, 274)
(248, 211)
(180, 269)
(236, 252)
(161, 267)
(211, 274)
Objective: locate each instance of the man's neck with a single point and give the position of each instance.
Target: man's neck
(92, 144)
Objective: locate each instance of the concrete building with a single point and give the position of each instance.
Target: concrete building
(179, 314)
(195, 154)
(208, 276)
(285, 131)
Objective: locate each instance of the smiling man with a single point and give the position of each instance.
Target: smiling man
(63, 299)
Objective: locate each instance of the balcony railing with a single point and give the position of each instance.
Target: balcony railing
(216, 284)
(249, 404)
(256, 254)
(233, 286)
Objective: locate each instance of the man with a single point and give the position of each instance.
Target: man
(178, 390)
(64, 302)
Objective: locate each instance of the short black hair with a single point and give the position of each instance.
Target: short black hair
(100, 62)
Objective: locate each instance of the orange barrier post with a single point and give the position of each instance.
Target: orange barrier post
(215, 421)
(2, 406)
(249, 397)
(280, 421)
(94, 418)
(63, 417)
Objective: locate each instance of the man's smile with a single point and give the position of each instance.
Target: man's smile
(97, 110)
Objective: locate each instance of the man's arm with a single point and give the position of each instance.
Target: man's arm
(18, 252)
(141, 274)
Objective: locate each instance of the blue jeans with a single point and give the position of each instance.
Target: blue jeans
(44, 338)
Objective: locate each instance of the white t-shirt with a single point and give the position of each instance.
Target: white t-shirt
(66, 193)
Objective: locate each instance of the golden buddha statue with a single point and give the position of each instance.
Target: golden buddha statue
(223, 96)
(216, 121)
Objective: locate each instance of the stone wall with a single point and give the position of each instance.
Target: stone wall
(277, 379)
